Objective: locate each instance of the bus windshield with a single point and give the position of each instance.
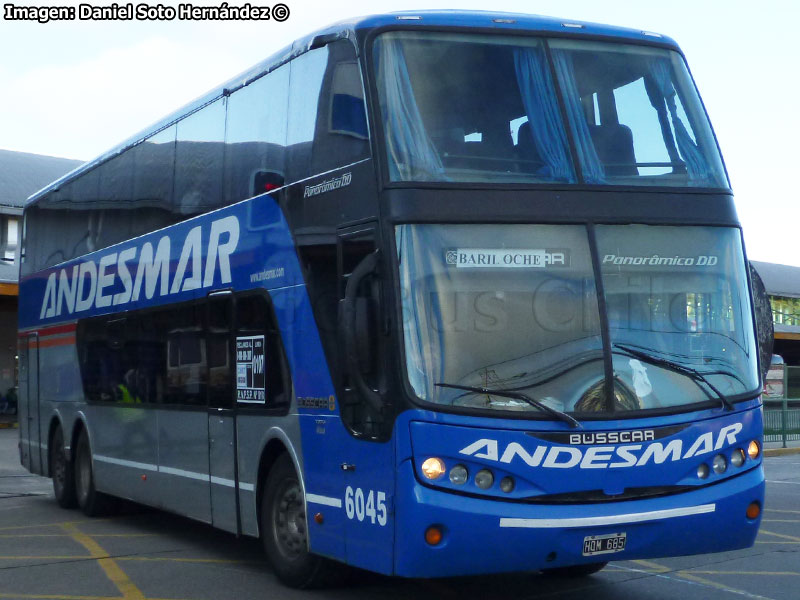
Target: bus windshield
(481, 108)
(514, 307)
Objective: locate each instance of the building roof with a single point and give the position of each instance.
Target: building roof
(780, 280)
(22, 174)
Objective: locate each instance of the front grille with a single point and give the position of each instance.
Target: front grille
(596, 496)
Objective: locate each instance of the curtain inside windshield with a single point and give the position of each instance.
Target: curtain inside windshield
(477, 108)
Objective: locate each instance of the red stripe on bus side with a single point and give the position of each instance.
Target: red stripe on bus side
(48, 331)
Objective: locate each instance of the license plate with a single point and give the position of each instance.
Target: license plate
(603, 544)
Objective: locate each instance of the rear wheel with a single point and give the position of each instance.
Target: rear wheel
(61, 472)
(575, 570)
(92, 502)
(284, 532)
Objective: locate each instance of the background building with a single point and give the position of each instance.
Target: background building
(783, 287)
(21, 174)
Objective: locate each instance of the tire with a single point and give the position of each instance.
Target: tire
(575, 570)
(61, 472)
(91, 502)
(284, 532)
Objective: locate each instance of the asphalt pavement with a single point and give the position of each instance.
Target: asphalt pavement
(47, 553)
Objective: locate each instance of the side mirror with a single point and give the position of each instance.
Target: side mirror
(357, 325)
(764, 327)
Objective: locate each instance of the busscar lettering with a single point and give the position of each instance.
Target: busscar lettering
(605, 455)
(117, 277)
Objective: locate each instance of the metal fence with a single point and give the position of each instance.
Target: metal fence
(781, 420)
(782, 415)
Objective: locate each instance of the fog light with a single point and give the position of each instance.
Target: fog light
(753, 450)
(703, 471)
(433, 535)
(719, 464)
(737, 458)
(433, 468)
(753, 510)
(484, 479)
(507, 484)
(459, 475)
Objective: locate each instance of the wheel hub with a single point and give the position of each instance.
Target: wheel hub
(290, 520)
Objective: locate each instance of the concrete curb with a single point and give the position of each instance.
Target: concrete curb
(781, 451)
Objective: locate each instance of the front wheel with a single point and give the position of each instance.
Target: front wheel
(575, 570)
(61, 472)
(92, 502)
(284, 532)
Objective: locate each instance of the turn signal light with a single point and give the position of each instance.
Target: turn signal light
(753, 510)
(433, 535)
(753, 450)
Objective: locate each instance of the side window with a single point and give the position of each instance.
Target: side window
(198, 161)
(327, 118)
(255, 138)
(187, 374)
(219, 348)
(153, 181)
(347, 111)
(261, 370)
(116, 202)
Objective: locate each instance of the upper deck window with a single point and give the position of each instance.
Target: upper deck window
(635, 116)
(479, 108)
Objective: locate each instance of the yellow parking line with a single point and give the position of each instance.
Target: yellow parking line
(780, 535)
(655, 567)
(112, 570)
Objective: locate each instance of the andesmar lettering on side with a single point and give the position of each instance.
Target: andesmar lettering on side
(143, 271)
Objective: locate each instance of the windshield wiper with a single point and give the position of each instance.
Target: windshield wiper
(693, 374)
(516, 396)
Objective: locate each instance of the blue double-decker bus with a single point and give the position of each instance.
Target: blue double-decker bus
(428, 294)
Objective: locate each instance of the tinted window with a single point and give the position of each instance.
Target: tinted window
(198, 161)
(155, 170)
(178, 355)
(256, 136)
(327, 118)
(254, 319)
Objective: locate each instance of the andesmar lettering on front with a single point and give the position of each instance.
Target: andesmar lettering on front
(602, 457)
(143, 271)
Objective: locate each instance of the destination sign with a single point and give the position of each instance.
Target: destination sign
(511, 258)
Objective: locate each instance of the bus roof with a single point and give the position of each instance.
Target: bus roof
(424, 19)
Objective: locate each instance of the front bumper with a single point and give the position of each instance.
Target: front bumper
(488, 536)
